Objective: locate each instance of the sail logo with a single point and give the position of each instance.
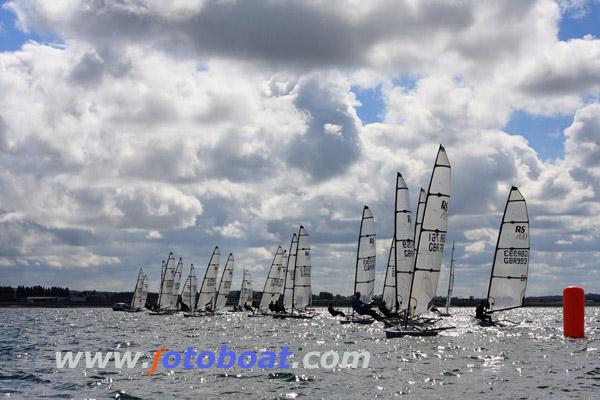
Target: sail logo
(444, 208)
(521, 231)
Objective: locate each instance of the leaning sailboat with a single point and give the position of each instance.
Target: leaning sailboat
(300, 293)
(364, 271)
(271, 289)
(225, 284)
(508, 279)
(165, 304)
(205, 301)
(138, 301)
(188, 295)
(431, 240)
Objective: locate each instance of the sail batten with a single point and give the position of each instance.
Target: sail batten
(508, 278)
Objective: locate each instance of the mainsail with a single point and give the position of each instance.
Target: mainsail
(136, 300)
(288, 293)
(206, 296)
(176, 283)
(302, 273)
(450, 280)
(364, 275)
(166, 284)
(403, 246)
(246, 290)
(508, 280)
(431, 237)
(225, 285)
(389, 283)
(190, 287)
(271, 288)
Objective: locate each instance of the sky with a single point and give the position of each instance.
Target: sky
(129, 129)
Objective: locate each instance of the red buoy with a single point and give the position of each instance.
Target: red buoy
(573, 312)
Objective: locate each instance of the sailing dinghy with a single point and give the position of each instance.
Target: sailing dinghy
(225, 284)
(300, 292)
(364, 272)
(166, 305)
(271, 290)
(188, 295)
(431, 238)
(508, 279)
(138, 300)
(205, 301)
(246, 294)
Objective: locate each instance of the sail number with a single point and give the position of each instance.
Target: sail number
(369, 263)
(304, 272)
(408, 247)
(516, 256)
(436, 241)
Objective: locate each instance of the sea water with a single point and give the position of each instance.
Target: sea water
(530, 359)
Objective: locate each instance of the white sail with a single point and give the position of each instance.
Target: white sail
(176, 283)
(364, 274)
(190, 287)
(302, 272)
(508, 280)
(136, 300)
(246, 290)
(271, 288)
(166, 288)
(225, 284)
(389, 282)
(404, 244)
(288, 293)
(450, 280)
(144, 292)
(206, 296)
(432, 237)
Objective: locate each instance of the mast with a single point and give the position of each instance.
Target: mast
(508, 279)
(450, 280)
(431, 238)
(364, 274)
(403, 244)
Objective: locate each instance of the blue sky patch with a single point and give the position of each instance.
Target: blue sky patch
(577, 26)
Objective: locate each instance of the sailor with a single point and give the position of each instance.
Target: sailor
(386, 311)
(335, 312)
(364, 309)
(271, 307)
(480, 313)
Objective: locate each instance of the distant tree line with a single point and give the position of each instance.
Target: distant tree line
(21, 292)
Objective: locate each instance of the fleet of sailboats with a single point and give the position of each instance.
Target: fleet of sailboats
(411, 277)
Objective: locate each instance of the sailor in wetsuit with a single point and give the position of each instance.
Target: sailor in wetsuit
(481, 315)
(335, 312)
(364, 309)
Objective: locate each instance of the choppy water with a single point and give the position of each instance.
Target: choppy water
(530, 360)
